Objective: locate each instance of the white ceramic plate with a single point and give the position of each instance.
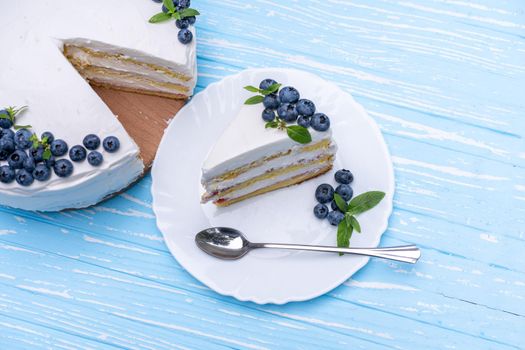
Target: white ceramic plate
(268, 276)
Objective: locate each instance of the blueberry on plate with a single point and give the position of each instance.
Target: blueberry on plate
(48, 136)
(185, 36)
(324, 193)
(268, 115)
(63, 168)
(191, 20)
(7, 133)
(289, 94)
(5, 123)
(24, 177)
(303, 121)
(271, 101)
(305, 107)
(37, 154)
(91, 142)
(50, 162)
(22, 137)
(320, 122)
(7, 175)
(287, 112)
(29, 163)
(320, 211)
(266, 83)
(95, 158)
(183, 4)
(42, 172)
(111, 144)
(16, 159)
(77, 153)
(59, 148)
(344, 176)
(335, 217)
(345, 191)
(182, 23)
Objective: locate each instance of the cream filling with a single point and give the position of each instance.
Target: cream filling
(269, 182)
(280, 162)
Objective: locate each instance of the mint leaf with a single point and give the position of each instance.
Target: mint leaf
(47, 154)
(341, 203)
(160, 17)
(189, 12)
(299, 134)
(271, 89)
(254, 100)
(272, 124)
(352, 221)
(176, 15)
(364, 202)
(18, 127)
(252, 89)
(169, 5)
(344, 233)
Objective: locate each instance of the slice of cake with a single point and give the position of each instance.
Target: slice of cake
(54, 46)
(251, 158)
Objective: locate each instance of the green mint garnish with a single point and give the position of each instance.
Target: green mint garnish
(254, 100)
(356, 206)
(12, 113)
(44, 143)
(259, 98)
(299, 134)
(172, 13)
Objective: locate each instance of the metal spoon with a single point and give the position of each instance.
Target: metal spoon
(230, 244)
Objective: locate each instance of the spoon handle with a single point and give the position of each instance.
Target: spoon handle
(407, 253)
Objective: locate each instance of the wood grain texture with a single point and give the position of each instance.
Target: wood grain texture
(444, 79)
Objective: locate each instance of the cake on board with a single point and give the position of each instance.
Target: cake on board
(142, 71)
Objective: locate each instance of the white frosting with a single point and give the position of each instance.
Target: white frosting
(35, 73)
(246, 140)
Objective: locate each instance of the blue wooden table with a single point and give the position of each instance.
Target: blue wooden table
(445, 80)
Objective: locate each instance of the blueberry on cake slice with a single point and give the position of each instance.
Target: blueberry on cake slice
(61, 147)
(276, 140)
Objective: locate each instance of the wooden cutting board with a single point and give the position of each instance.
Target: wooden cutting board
(144, 117)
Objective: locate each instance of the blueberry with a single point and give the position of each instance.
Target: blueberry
(191, 20)
(7, 175)
(320, 122)
(111, 144)
(185, 36)
(95, 158)
(63, 168)
(48, 136)
(59, 148)
(334, 206)
(324, 193)
(335, 217)
(303, 121)
(266, 83)
(268, 115)
(24, 177)
(8, 133)
(22, 137)
(182, 23)
(320, 211)
(91, 142)
(42, 172)
(29, 164)
(77, 153)
(345, 191)
(271, 101)
(7, 146)
(305, 107)
(37, 154)
(183, 4)
(5, 123)
(50, 162)
(289, 94)
(344, 176)
(287, 112)
(16, 159)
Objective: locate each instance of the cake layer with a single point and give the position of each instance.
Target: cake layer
(224, 202)
(299, 155)
(269, 178)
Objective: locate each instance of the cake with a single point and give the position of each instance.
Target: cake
(52, 50)
(251, 158)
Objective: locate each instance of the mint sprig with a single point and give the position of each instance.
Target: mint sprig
(358, 205)
(263, 92)
(297, 133)
(172, 13)
(12, 113)
(44, 143)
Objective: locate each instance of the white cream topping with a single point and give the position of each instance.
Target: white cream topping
(35, 73)
(246, 140)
